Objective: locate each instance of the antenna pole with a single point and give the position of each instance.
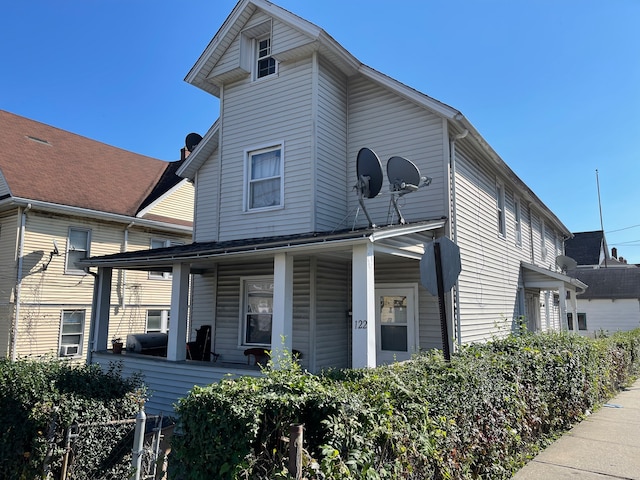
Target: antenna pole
(606, 253)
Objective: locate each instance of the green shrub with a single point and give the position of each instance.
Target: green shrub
(481, 415)
(39, 400)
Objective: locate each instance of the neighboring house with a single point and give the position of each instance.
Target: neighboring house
(64, 197)
(283, 257)
(612, 301)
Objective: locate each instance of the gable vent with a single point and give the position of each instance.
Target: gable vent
(39, 140)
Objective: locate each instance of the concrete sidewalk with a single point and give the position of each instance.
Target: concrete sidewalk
(605, 445)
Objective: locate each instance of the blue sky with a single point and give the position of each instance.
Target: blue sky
(552, 85)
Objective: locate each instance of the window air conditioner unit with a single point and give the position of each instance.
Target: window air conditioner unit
(70, 350)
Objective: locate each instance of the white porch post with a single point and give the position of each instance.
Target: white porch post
(102, 306)
(562, 293)
(363, 307)
(574, 310)
(282, 317)
(177, 341)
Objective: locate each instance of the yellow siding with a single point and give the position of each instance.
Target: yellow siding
(47, 290)
(177, 204)
(8, 240)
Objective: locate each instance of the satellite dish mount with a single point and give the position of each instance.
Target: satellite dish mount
(404, 177)
(565, 263)
(369, 173)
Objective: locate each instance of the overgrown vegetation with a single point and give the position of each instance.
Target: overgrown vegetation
(39, 400)
(482, 415)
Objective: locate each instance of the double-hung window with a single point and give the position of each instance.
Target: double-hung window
(502, 226)
(157, 321)
(543, 240)
(517, 210)
(257, 311)
(77, 248)
(264, 178)
(582, 321)
(265, 63)
(71, 333)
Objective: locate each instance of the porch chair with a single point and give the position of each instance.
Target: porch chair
(200, 349)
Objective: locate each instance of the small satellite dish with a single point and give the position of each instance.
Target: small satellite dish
(369, 173)
(404, 177)
(565, 263)
(56, 250)
(192, 141)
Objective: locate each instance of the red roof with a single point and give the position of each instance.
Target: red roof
(44, 163)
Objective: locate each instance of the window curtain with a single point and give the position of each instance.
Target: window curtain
(265, 179)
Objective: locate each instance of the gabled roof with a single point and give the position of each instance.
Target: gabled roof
(609, 283)
(201, 76)
(46, 164)
(586, 247)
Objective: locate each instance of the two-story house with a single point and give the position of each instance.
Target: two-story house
(284, 257)
(64, 197)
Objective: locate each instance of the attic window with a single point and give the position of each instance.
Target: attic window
(39, 140)
(266, 64)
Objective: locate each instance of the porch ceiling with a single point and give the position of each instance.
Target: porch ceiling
(398, 240)
(541, 278)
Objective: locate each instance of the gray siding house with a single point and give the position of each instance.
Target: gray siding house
(284, 258)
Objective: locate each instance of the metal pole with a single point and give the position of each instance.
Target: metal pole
(295, 450)
(138, 444)
(606, 253)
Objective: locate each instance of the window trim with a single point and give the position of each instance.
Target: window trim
(70, 270)
(242, 333)
(543, 240)
(248, 153)
(581, 316)
(61, 336)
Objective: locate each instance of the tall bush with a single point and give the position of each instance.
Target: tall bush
(481, 415)
(40, 399)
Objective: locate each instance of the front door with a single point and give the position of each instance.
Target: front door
(396, 331)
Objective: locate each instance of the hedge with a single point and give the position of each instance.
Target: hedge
(481, 415)
(40, 399)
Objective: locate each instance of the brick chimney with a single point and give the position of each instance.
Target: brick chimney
(614, 252)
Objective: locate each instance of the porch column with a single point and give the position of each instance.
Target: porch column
(363, 307)
(177, 341)
(282, 317)
(562, 293)
(101, 308)
(574, 310)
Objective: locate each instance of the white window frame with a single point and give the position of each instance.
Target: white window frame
(266, 57)
(165, 243)
(517, 212)
(244, 309)
(65, 345)
(70, 268)
(248, 182)
(500, 210)
(165, 316)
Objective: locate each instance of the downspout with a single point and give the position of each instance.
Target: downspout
(454, 227)
(125, 247)
(14, 333)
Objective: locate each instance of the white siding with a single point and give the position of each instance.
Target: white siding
(168, 381)
(333, 327)
(610, 315)
(206, 201)
(490, 262)
(332, 184)
(286, 38)
(261, 113)
(393, 126)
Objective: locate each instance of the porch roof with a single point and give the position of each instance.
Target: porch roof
(542, 278)
(402, 240)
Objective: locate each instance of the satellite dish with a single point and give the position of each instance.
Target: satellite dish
(369, 173)
(56, 250)
(404, 177)
(565, 263)
(192, 141)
